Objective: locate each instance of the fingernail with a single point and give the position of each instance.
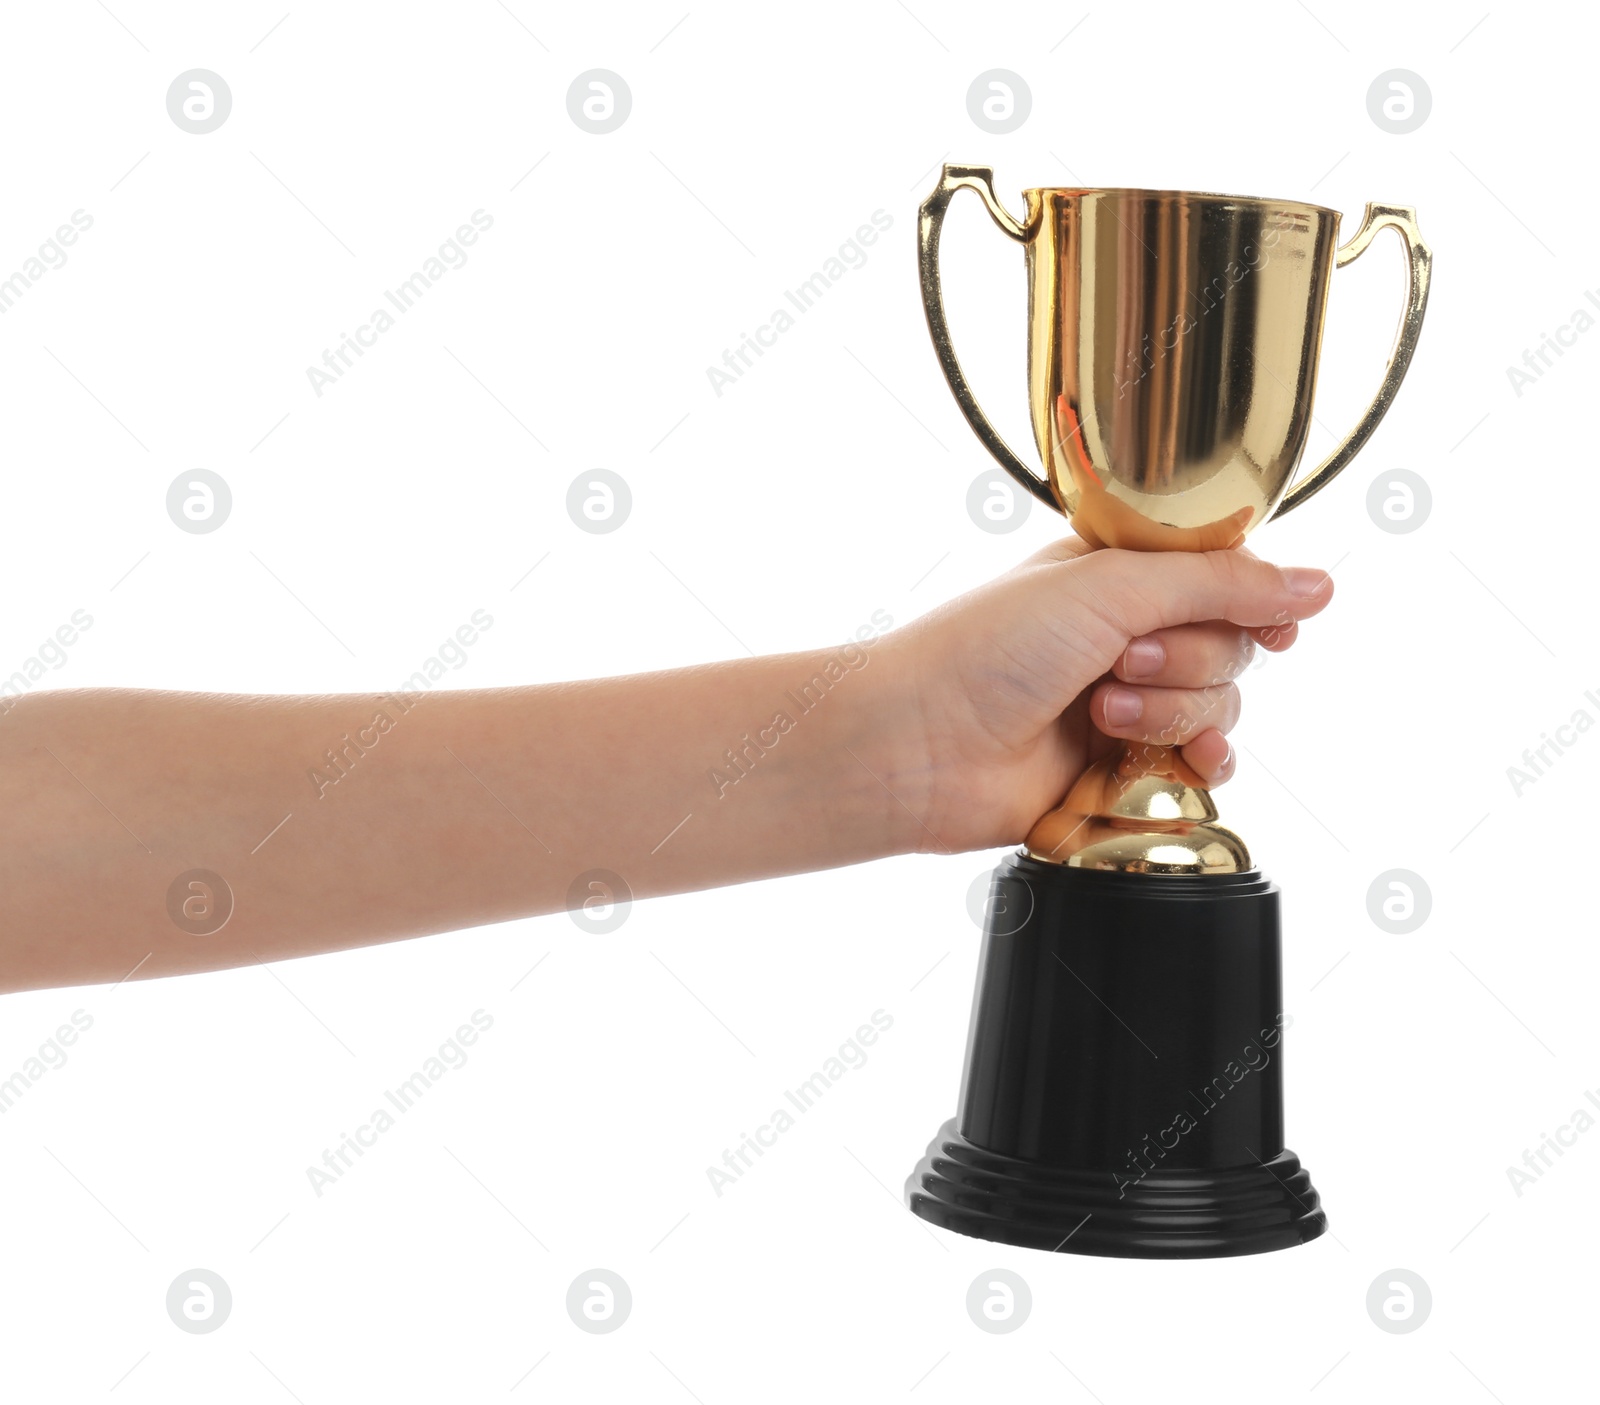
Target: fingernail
(1143, 657)
(1123, 706)
(1304, 580)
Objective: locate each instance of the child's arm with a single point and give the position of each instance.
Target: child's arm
(341, 821)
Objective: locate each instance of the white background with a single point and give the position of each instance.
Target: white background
(829, 482)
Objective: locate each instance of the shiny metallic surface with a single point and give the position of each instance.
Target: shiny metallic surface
(1172, 356)
(1140, 810)
(1173, 342)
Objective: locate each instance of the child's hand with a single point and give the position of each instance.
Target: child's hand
(1017, 686)
(483, 805)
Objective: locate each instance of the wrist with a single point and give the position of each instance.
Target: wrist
(829, 766)
(884, 779)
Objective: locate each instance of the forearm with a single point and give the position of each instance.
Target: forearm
(341, 821)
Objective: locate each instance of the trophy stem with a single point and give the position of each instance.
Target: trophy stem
(1141, 810)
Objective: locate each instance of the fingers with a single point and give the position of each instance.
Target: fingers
(1167, 716)
(1211, 755)
(1135, 593)
(1189, 656)
(1275, 639)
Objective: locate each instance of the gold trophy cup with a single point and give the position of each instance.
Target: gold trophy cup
(1172, 359)
(1173, 341)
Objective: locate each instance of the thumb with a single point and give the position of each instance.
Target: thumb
(1131, 593)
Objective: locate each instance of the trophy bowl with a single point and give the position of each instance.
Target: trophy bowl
(1173, 342)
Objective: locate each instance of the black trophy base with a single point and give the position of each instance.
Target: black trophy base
(1195, 1214)
(1123, 1088)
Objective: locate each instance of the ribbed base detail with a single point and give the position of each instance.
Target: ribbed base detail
(1249, 1209)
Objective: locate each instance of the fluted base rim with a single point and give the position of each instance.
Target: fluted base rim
(1190, 1214)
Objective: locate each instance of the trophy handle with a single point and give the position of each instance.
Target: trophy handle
(930, 223)
(1419, 273)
